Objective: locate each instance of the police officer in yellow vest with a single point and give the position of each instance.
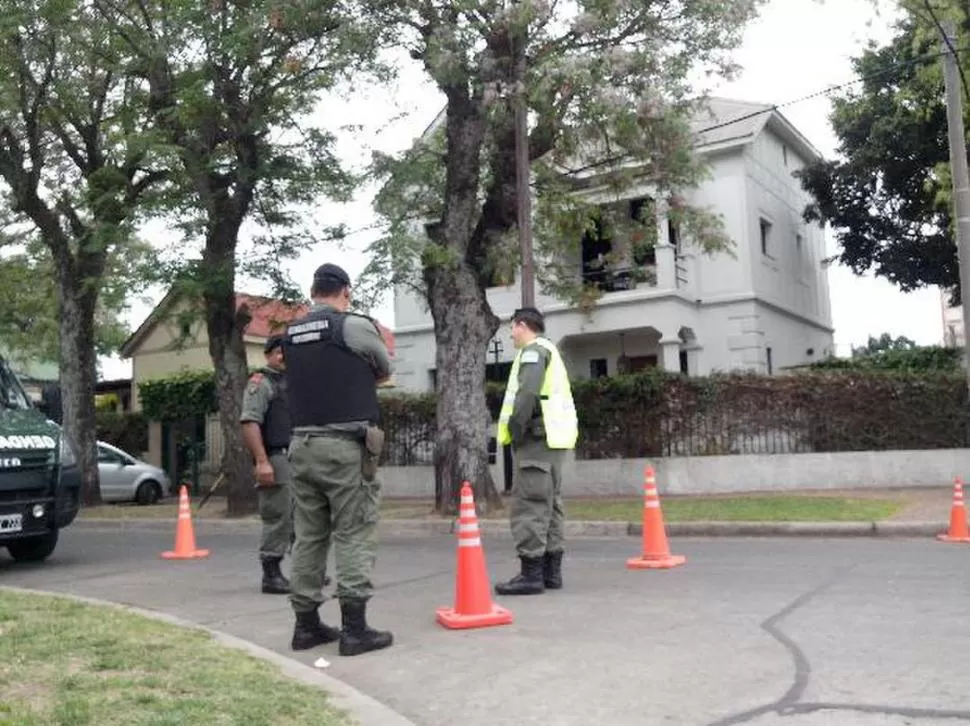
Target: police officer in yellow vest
(538, 419)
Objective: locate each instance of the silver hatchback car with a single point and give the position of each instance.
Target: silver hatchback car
(127, 479)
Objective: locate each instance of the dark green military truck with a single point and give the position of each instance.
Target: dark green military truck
(40, 482)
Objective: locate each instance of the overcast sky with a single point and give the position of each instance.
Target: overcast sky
(796, 48)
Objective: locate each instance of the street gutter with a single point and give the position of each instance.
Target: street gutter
(573, 528)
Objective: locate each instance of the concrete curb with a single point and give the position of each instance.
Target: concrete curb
(575, 528)
(366, 711)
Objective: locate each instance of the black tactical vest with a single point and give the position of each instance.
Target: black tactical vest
(328, 382)
(276, 423)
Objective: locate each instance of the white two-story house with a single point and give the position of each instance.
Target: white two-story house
(763, 309)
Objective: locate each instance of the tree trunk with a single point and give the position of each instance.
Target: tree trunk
(78, 376)
(464, 324)
(225, 325)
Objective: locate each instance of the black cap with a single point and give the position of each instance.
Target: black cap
(331, 272)
(273, 342)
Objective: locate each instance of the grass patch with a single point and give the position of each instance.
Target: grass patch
(746, 508)
(769, 508)
(73, 664)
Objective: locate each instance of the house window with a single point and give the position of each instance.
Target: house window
(596, 247)
(600, 263)
(498, 372)
(673, 236)
(769, 361)
(765, 227)
(186, 329)
(642, 211)
(597, 368)
(798, 243)
(784, 154)
(641, 362)
(683, 362)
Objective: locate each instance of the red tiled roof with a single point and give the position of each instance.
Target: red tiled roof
(268, 315)
(271, 316)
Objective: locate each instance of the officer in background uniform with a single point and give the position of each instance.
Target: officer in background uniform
(334, 362)
(266, 431)
(538, 418)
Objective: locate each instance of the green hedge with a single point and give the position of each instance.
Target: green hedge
(655, 413)
(127, 431)
(179, 397)
(928, 358)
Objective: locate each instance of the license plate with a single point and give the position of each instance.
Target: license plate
(10, 523)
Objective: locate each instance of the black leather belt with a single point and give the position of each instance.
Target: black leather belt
(277, 450)
(334, 434)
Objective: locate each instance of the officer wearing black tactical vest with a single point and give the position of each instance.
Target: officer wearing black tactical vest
(334, 362)
(266, 430)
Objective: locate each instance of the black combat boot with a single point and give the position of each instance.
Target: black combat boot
(552, 570)
(273, 581)
(527, 582)
(310, 632)
(357, 637)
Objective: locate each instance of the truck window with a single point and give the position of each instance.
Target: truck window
(12, 394)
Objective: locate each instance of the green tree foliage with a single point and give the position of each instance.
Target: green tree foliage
(888, 198)
(901, 354)
(882, 344)
(28, 302)
(231, 88)
(607, 90)
(76, 163)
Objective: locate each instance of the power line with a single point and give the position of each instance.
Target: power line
(949, 44)
(776, 107)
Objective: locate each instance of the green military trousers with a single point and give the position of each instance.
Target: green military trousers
(275, 511)
(537, 514)
(332, 502)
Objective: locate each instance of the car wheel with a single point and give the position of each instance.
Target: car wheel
(33, 549)
(148, 492)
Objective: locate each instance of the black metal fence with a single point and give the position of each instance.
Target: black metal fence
(653, 415)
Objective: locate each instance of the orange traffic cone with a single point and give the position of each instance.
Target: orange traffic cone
(184, 535)
(958, 517)
(473, 597)
(656, 551)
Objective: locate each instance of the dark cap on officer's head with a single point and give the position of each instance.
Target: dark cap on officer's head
(272, 343)
(531, 317)
(331, 273)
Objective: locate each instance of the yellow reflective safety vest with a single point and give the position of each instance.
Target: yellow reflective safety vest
(555, 399)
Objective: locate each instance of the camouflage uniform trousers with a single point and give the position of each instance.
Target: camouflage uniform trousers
(333, 503)
(275, 511)
(537, 514)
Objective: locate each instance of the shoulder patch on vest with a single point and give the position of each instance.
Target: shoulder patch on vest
(255, 380)
(530, 356)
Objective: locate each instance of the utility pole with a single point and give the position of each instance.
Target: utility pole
(523, 193)
(961, 178)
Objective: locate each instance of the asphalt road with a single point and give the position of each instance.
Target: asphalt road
(769, 631)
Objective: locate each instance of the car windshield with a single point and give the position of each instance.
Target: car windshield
(12, 394)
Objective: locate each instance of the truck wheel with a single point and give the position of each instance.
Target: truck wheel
(33, 549)
(149, 492)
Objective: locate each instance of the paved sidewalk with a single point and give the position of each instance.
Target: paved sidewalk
(807, 632)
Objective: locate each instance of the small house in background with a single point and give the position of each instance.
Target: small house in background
(171, 341)
(34, 374)
(114, 396)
